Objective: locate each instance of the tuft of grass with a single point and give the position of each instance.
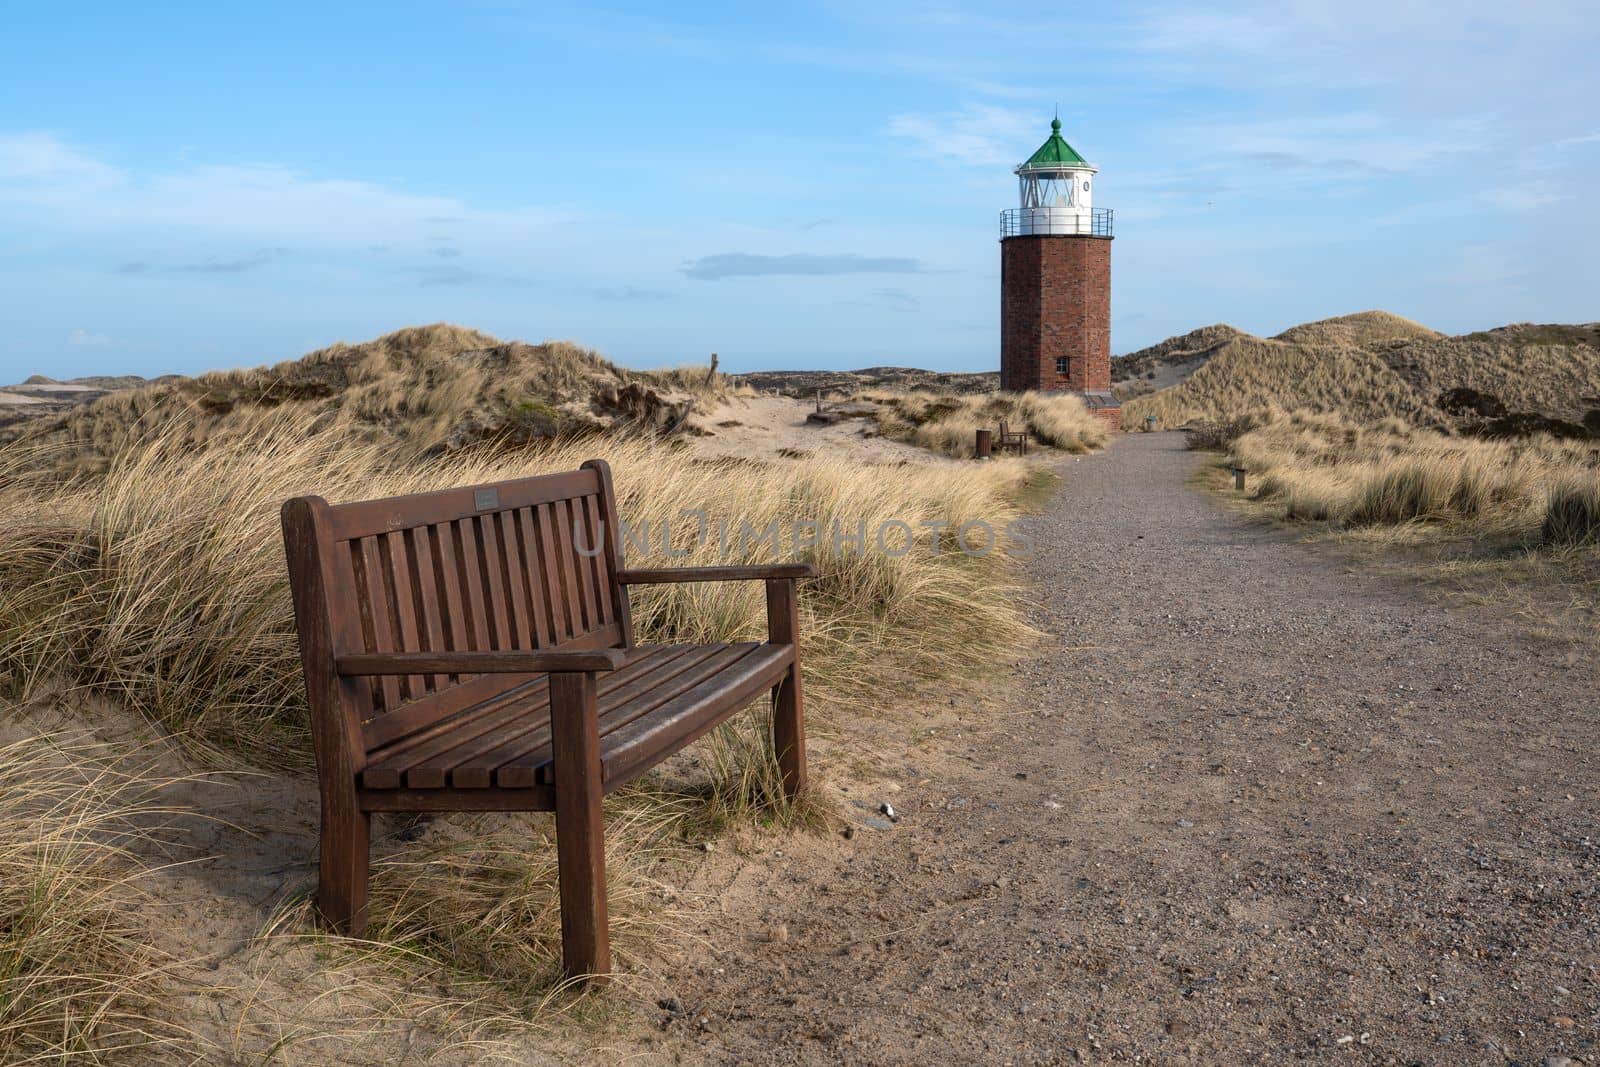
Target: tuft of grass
(1221, 433)
(1572, 511)
(743, 787)
(77, 974)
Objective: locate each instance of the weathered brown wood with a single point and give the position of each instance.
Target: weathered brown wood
(473, 650)
(368, 517)
(454, 618)
(759, 571)
(512, 572)
(561, 524)
(432, 620)
(515, 754)
(651, 738)
(597, 573)
(397, 560)
(378, 615)
(507, 662)
(325, 617)
(464, 751)
(611, 531)
(580, 827)
(555, 587)
(465, 538)
(788, 703)
(533, 576)
(496, 595)
(632, 704)
(542, 798)
(383, 729)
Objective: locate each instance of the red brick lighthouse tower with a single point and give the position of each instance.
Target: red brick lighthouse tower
(1055, 281)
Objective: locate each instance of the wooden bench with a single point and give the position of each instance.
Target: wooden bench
(472, 650)
(1017, 442)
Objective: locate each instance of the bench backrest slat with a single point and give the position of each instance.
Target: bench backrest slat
(519, 565)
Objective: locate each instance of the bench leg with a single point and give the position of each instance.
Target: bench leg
(580, 827)
(788, 703)
(345, 865)
(789, 732)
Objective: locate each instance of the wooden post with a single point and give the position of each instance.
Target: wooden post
(788, 703)
(984, 447)
(819, 401)
(1238, 478)
(580, 826)
(345, 844)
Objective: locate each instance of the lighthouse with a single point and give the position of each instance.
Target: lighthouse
(1055, 281)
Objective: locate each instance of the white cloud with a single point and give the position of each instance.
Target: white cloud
(33, 157)
(262, 204)
(1584, 138)
(977, 135)
(1349, 143)
(85, 339)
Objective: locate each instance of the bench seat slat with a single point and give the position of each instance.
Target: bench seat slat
(529, 765)
(659, 701)
(381, 730)
(628, 752)
(459, 758)
(475, 769)
(389, 763)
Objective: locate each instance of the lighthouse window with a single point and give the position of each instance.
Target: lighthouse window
(1063, 366)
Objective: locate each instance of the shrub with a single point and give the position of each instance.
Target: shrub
(1220, 434)
(1572, 512)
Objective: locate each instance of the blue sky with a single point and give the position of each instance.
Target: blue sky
(186, 186)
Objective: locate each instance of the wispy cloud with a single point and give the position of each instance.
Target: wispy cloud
(629, 294)
(450, 275)
(750, 265)
(1349, 143)
(213, 265)
(1583, 138)
(34, 156)
(896, 300)
(978, 135)
(86, 339)
(52, 179)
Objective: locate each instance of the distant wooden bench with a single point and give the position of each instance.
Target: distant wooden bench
(1016, 441)
(472, 650)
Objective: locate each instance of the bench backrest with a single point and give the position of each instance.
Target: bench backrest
(520, 565)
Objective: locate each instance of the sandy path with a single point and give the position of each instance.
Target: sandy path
(1247, 806)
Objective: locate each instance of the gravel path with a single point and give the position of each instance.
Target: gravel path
(1246, 806)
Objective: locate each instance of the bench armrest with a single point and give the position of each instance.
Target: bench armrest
(757, 571)
(374, 663)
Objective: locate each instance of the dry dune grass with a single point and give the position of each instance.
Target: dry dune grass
(1360, 330)
(1329, 468)
(418, 390)
(947, 423)
(1367, 366)
(1249, 372)
(77, 973)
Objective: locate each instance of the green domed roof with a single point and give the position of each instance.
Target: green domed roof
(1054, 153)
